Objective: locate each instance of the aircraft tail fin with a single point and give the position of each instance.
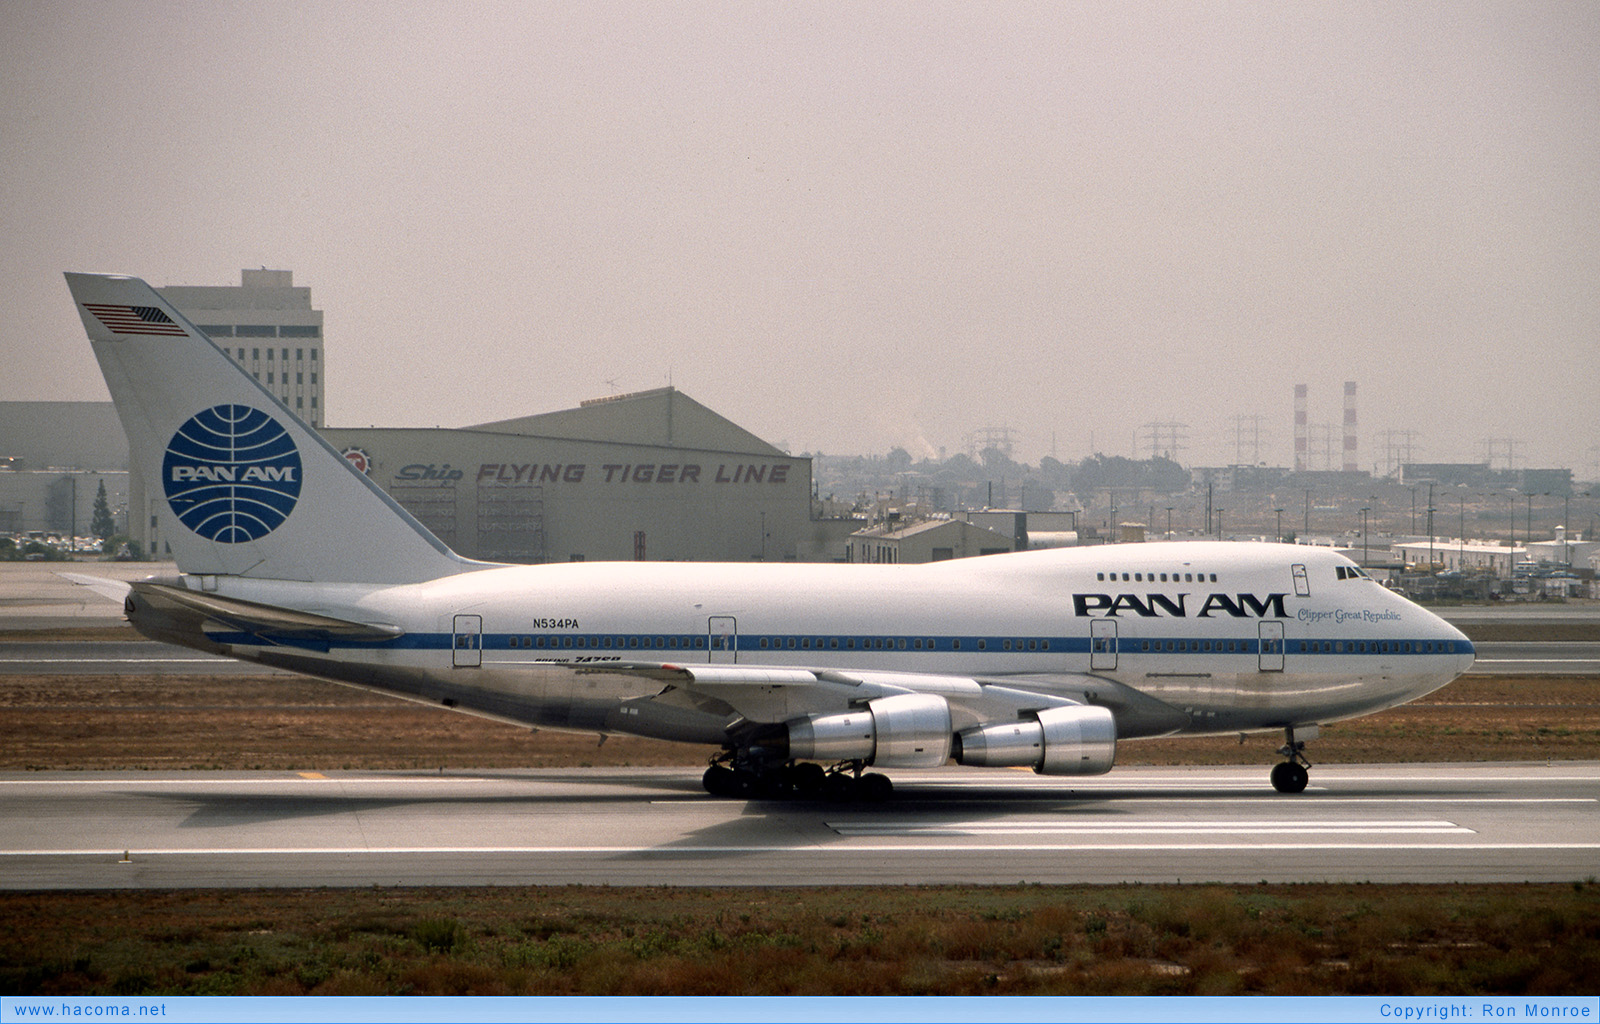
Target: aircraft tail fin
(239, 485)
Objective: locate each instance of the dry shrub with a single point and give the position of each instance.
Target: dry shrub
(442, 977)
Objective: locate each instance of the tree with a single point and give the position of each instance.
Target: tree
(102, 525)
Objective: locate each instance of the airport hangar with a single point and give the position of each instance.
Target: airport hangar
(650, 476)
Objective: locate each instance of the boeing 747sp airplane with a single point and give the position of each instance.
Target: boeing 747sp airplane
(800, 676)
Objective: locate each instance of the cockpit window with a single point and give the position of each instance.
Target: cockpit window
(1351, 572)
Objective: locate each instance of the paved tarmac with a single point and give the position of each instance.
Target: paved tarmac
(1383, 823)
(118, 657)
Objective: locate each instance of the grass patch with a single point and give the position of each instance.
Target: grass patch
(1025, 940)
(290, 723)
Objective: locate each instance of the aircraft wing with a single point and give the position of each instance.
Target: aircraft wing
(767, 693)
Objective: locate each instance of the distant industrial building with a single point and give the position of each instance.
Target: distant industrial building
(935, 540)
(1026, 531)
(1554, 482)
(67, 435)
(53, 458)
(59, 502)
(1456, 555)
(648, 476)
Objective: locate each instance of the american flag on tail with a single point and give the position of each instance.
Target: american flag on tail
(134, 319)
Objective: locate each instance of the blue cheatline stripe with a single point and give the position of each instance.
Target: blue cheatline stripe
(670, 645)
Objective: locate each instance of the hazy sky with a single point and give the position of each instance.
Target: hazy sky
(846, 226)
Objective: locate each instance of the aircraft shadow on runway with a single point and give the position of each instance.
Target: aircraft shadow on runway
(756, 824)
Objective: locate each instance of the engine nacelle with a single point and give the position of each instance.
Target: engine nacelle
(1076, 740)
(906, 730)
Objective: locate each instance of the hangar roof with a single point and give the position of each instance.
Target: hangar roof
(663, 416)
(42, 435)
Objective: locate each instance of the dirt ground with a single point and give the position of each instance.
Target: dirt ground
(283, 722)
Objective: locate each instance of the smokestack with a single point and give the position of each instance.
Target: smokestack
(1350, 426)
(1299, 428)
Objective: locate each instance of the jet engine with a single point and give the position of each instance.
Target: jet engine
(906, 730)
(1078, 740)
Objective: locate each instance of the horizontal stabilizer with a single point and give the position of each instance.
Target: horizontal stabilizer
(281, 625)
(111, 590)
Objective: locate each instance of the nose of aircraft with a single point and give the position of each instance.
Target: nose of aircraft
(1457, 649)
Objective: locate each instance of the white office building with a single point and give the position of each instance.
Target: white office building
(267, 326)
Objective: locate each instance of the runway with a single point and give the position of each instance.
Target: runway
(118, 657)
(77, 657)
(1383, 823)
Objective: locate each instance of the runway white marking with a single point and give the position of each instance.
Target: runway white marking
(275, 783)
(907, 786)
(845, 848)
(1111, 782)
(1534, 661)
(1023, 828)
(115, 661)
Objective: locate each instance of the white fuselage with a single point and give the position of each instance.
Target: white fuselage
(1175, 637)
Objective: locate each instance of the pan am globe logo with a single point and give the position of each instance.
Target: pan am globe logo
(232, 474)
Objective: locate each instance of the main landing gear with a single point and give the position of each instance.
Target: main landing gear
(1293, 773)
(735, 774)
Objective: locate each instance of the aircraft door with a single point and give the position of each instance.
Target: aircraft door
(723, 643)
(1102, 644)
(1272, 647)
(466, 645)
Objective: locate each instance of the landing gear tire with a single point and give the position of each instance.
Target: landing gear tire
(806, 780)
(742, 778)
(1290, 777)
(839, 787)
(720, 781)
(873, 788)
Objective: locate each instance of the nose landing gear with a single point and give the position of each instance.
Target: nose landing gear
(1291, 775)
